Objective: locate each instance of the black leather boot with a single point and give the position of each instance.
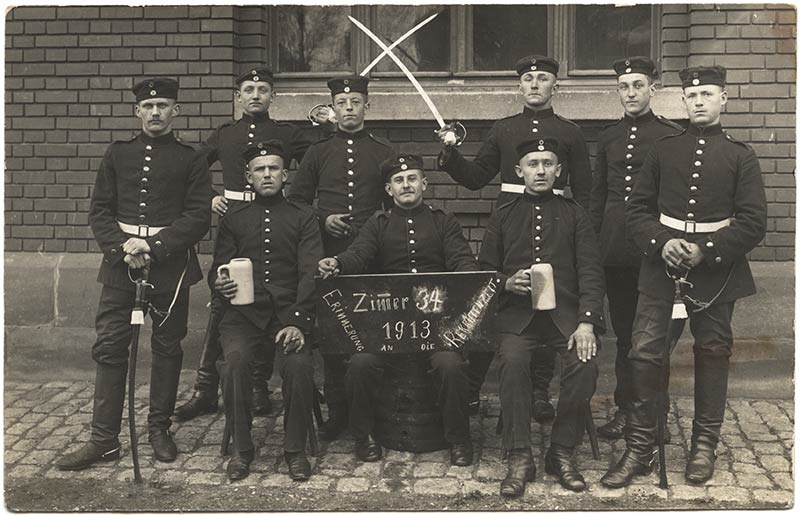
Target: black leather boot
(239, 465)
(542, 410)
(559, 462)
(461, 454)
(336, 423)
(542, 366)
(201, 403)
(165, 374)
(614, 428)
(368, 450)
(521, 470)
(710, 393)
(640, 429)
(299, 467)
(87, 455)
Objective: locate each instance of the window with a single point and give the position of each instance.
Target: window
(463, 40)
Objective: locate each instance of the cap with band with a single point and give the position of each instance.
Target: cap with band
(533, 63)
(537, 145)
(258, 74)
(355, 83)
(637, 64)
(703, 75)
(273, 147)
(157, 87)
(400, 163)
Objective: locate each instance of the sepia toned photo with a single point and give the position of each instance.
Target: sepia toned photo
(377, 257)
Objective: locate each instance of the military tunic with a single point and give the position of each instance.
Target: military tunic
(498, 154)
(227, 142)
(282, 241)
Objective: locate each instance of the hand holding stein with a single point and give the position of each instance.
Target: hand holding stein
(543, 287)
(235, 281)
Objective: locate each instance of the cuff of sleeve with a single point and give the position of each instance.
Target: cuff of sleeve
(114, 254)
(301, 319)
(710, 251)
(595, 318)
(655, 244)
(158, 249)
(446, 157)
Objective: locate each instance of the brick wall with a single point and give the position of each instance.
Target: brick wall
(69, 70)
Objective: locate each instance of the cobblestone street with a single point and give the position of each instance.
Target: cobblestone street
(754, 468)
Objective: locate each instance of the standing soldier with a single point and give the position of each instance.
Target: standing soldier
(412, 237)
(149, 208)
(343, 172)
(282, 241)
(620, 154)
(539, 227)
(698, 208)
(537, 84)
(255, 93)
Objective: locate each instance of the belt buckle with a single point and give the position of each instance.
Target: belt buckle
(690, 227)
(146, 231)
(248, 196)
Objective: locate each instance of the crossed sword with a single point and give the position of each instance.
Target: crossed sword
(456, 127)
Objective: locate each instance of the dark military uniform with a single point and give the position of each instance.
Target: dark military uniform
(544, 229)
(417, 240)
(282, 240)
(698, 177)
(343, 172)
(157, 189)
(621, 150)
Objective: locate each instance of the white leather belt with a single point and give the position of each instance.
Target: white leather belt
(520, 188)
(142, 231)
(245, 196)
(691, 227)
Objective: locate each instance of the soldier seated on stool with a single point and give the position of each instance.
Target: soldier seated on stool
(282, 240)
(411, 237)
(540, 227)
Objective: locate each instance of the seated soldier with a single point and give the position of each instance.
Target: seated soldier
(411, 237)
(282, 240)
(540, 227)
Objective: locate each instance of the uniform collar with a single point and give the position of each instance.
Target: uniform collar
(158, 141)
(544, 113)
(713, 130)
(649, 116)
(274, 200)
(539, 199)
(363, 133)
(403, 212)
(260, 117)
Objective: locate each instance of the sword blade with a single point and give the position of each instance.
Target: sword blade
(404, 69)
(402, 38)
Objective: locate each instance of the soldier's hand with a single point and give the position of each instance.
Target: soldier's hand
(447, 136)
(225, 286)
(328, 267)
(520, 282)
(584, 341)
(136, 261)
(292, 339)
(693, 254)
(219, 205)
(336, 225)
(673, 253)
(135, 246)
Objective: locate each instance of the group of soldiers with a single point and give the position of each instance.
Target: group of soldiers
(673, 207)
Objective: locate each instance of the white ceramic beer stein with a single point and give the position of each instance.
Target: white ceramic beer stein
(543, 287)
(241, 271)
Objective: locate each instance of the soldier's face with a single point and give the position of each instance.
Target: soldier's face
(266, 174)
(539, 170)
(350, 109)
(537, 89)
(704, 103)
(635, 91)
(156, 115)
(407, 187)
(255, 97)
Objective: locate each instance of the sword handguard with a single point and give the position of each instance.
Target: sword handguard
(315, 114)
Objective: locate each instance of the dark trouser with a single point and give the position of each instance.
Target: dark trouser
(713, 345)
(477, 368)
(364, 377)
(110, 352)
(240, 339)
(335, 369)
(623, 293)
(578, 380)
(207, 375)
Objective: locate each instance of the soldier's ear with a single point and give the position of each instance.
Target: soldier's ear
(558, 170)
(723, 97)
(284, 175)
(388, 188)
(248, 176)
(366, 105)
(518, 170)
(176, 110)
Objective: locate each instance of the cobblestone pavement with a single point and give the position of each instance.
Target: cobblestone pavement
(754, 468)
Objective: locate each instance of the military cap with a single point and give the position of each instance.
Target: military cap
(400, 163)
(534, 63)
(636, 64)
(355, 83)
(702, 75)
(537, 145)
(157, 87)
(257, 74)
(273, 147)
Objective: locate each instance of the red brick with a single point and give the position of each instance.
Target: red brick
(165, 69)
(775, 240)
(78, 26)
(741, 61)
(76, 246)
(77, 69)
(32, 231)
(762, 106)
(143, 40)
(56, 41)
(77, 54)
(194, 40)
(764, 91)
(707, 17)
(189, 26)
(35, 27)
(701, 32)
(785, 224)
(737, 46)
(727, 32)
(787, 76)
(166, 26)
(781, 61)
(54, 54)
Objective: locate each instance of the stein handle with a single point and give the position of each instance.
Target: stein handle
(224, 268)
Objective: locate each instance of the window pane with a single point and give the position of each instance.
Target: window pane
(428, 49)
(605, 33)
(502, 34)
(313, 39)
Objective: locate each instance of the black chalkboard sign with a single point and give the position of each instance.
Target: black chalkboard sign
(406, 313)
